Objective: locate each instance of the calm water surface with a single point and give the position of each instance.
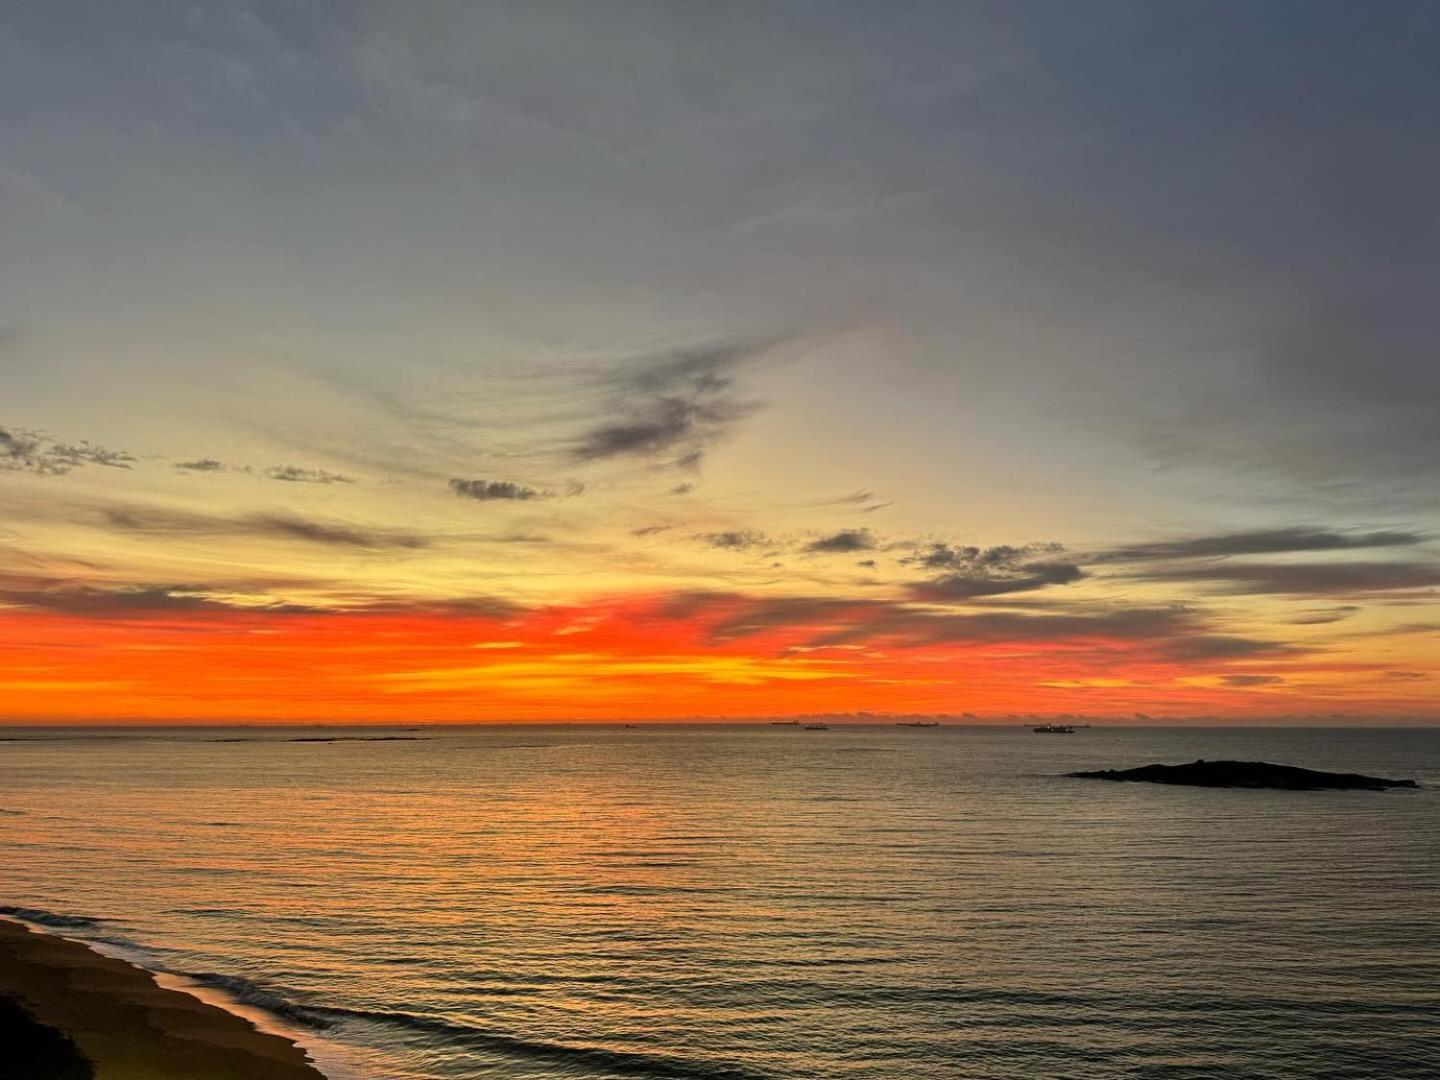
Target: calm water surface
(756, 901)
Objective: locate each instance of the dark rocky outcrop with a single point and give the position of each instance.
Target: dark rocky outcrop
(1248, 774)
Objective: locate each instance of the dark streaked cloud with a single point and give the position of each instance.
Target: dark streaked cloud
(1302, 579)
(92, 599)
(36, 452)
(1201, 647)
(495, 490)
(672, 406)
(1324, 616)
(201, 465)
(161, 522)
(1174, 634)
(971, 585)
(329, 533)
(120, 601)
(1251, 680)
(846, 541)
(660, 426)
(1261, 542)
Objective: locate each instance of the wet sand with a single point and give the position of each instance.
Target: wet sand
(83, 1015)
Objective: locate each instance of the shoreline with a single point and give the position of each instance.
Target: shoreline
(120, 1023)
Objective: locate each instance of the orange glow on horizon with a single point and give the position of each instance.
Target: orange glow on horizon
(622, 658)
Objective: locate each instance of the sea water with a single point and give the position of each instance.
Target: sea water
(754, 901)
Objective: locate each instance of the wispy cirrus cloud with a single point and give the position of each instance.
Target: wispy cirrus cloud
(139, 600)
(1325, 616)
(671, 407)
(863, 501)
(100, 598)
(157, 521)
(1301, 579)
(1170, 634)
(1261, 542)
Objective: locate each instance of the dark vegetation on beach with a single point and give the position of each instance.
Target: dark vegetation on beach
(36, 1052)
(1247, 774)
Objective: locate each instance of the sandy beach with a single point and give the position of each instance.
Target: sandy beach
(72, 1014)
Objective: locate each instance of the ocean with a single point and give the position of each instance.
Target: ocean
(753, 901)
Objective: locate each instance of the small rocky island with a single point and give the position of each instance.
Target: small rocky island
(1247, 774)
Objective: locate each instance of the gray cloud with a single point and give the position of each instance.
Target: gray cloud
(293, 474)
(36, 452)
(1303, 579)
(973, 584)
(942, 556)
(676, 404)
(1202, 647)
(296, 475)
(847, 541)
(971, 573)
(1324, 616)
(119, 601)
(495, 490)
(66, 596)
(329, 533)
(1174, 634)
(1260, 542)
(734, 540)
(160, 522)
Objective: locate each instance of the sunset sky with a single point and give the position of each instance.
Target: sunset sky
(476, 362)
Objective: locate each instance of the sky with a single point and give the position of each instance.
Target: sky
(424, 361)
